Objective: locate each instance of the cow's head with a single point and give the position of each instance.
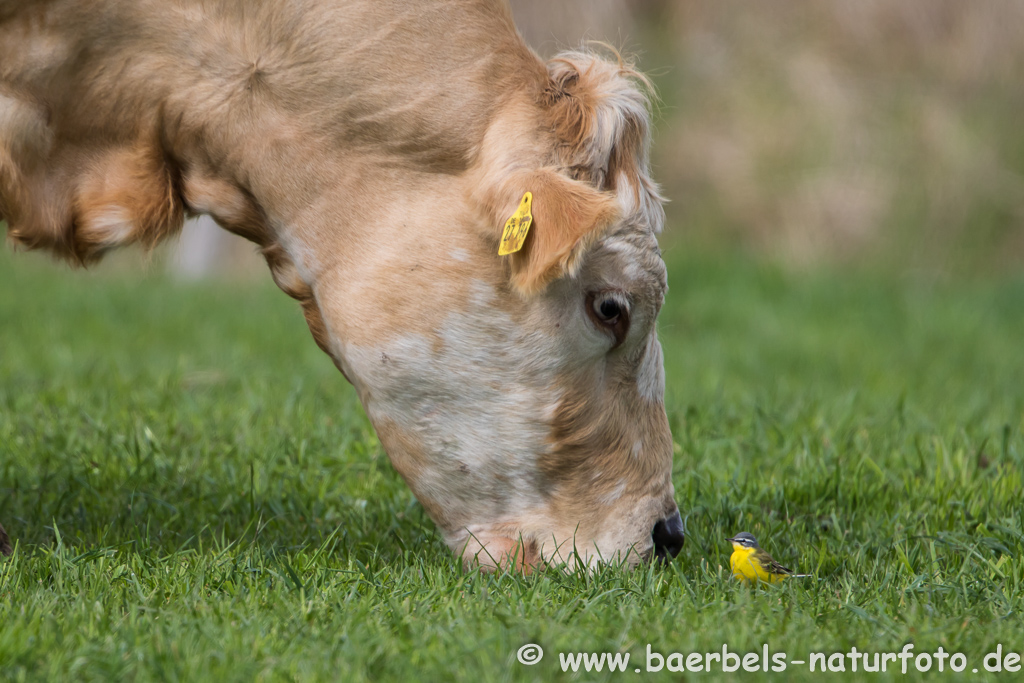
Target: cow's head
(520, 396)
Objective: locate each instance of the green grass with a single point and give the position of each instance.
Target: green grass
(197, 495)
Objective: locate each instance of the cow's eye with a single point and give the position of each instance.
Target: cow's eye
(607, 309)
(610, 312)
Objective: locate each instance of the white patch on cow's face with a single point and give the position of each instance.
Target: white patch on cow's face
(459, 254)
(650, 379)
(470, 401)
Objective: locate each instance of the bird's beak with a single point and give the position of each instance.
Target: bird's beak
(733, 540)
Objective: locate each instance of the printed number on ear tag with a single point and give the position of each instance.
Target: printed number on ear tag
(516, 227)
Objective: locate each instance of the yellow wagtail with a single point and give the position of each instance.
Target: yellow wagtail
(753, 564)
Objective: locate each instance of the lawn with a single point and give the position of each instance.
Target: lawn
(196, 493)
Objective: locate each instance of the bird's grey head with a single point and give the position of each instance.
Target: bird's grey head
(745, 539)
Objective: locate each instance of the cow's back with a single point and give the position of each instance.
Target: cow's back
(235, 85)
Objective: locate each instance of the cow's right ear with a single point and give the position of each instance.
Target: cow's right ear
(568, 216)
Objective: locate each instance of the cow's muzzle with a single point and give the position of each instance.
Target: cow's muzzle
(668, 536)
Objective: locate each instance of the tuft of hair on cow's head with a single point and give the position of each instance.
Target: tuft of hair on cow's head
(591, 172)
(600, 112)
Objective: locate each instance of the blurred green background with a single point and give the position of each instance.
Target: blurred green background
(851, 130)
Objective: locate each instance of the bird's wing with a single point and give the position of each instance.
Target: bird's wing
(771, 566)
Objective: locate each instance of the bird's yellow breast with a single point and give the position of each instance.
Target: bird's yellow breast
(746, 566)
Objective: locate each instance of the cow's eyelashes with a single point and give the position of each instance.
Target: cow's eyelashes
(609, 311)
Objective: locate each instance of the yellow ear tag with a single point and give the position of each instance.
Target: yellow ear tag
(516, 227)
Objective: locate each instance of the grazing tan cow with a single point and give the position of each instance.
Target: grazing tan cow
(375, 149)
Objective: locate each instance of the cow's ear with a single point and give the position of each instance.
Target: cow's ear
(568, 216)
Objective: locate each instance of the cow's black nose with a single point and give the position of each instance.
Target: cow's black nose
(668, 535)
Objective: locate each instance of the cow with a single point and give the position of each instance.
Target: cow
(374, 151)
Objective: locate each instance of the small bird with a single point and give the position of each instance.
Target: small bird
(753, 564)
